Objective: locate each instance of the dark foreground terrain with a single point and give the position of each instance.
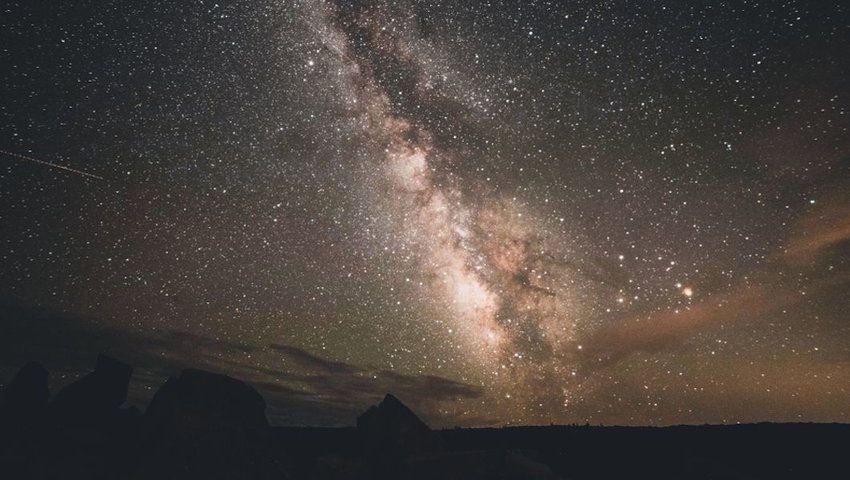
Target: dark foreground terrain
(209, 426)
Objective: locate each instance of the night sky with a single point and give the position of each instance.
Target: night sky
(504, 212)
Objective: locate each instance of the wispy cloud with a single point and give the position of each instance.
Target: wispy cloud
(670, 328)
(299, 387)
(825, 226)
(338, 391)
(762, 293)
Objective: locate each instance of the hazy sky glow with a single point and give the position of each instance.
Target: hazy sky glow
(503, 212)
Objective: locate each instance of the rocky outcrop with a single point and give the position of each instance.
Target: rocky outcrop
(22, 410)
(97, 396)
(200, 401)
(398, 444)
(394, 429)
(202, 425)
(82, 433)
(27, 393)
(390, 434)
(207, 425)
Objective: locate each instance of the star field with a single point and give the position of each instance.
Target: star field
(511, 211)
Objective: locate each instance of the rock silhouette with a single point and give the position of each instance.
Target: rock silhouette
(390, 434)
(207, 425)
(204, 425)
(22, 410)
(95, 397)
(27, 393)
(200, 400)
(392, 428)
(400, 445)
(81, 433)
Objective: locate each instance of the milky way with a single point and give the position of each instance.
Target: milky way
(498, 293)
(504, 212)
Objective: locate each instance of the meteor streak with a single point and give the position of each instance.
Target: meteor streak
(51, 164)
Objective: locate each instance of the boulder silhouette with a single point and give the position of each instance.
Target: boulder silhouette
(27, 394)
(22, 410)
(393, 429)
(206, 425)
(200, 400)
(96, 396)
(81, 433)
